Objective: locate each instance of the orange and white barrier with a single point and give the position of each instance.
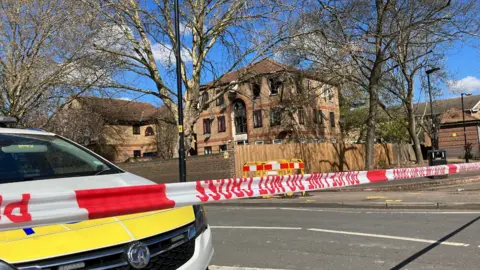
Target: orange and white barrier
(26, 209)
(275, 167)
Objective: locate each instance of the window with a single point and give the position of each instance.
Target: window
(332, 119)
(206, 126)
(204, 100)
(240, 115)
(223, 148)
(221, 124)
(149, 131)
(330, 95)
(220, 99)
(256, 90)
(301, 116)
(37, 157)
(137, 153)
(275, 117)
(257, 119)
(136, 130)
(207, 150)
(275, 86)
(318, 116)
(150, 154)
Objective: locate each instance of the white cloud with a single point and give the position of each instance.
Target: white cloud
(125, 98)
(467, 84)
(165, 55)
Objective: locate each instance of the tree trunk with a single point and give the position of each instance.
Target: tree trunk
(371, 123)
(373, 84)
(372, 113)
(413, 133)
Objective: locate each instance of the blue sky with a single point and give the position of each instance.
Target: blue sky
(462, 65)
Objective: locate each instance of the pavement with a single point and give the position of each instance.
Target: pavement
(260, 238)
(459, 191)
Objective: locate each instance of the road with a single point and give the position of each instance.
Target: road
(309, 238)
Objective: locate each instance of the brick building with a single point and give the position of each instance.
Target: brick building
(450, 133)
(121, 129)
(266, 102)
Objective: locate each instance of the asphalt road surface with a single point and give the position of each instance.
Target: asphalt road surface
(301, 238)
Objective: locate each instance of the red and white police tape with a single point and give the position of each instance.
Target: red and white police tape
(27, 209)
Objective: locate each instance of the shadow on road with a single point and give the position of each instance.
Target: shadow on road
(432, 246)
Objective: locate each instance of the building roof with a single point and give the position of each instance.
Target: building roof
(443, 105)
(263, 66)
(117, 110)
(454, 115)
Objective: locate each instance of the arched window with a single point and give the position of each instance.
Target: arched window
(149, 131)
(240, 115)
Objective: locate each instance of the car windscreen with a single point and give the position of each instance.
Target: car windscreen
(33, 157)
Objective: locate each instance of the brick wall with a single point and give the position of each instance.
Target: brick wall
(216, 166)
(452, 140)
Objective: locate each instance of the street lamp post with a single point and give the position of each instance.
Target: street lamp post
(181, 140)
(434, 130)
(464, 128)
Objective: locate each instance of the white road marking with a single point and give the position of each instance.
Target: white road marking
(430, 213)
(241, 208)
(391, 237)
(215, 267)
(334, 210)
(319, 210)
(256, 227)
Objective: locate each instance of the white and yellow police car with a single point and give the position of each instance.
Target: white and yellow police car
(169, 239)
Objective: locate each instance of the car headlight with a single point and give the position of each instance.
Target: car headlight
(6, 266)
(200, 219)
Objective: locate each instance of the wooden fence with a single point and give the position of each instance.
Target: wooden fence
(318, 157)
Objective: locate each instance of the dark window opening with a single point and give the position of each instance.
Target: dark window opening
(240, 115)
(220, 99)
(257, 119)
(206, 126)
(221, 124)
(204, 100)
(149, 131)
(256, 90)
(301, 116)
(330, 95)
(332, 119)
(275, 86)
(223, 148)
(137, 153)
(207, 150)
(318, 117)
(136, 130)
(275, 117)
(150, 154)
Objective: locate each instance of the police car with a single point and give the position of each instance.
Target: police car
(34, 160)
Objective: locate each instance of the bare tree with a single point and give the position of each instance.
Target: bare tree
(81, 125)
(43, 55)
(166, 135)
(218, 37)
(354, 42)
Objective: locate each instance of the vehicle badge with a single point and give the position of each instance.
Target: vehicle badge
(138, 255)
